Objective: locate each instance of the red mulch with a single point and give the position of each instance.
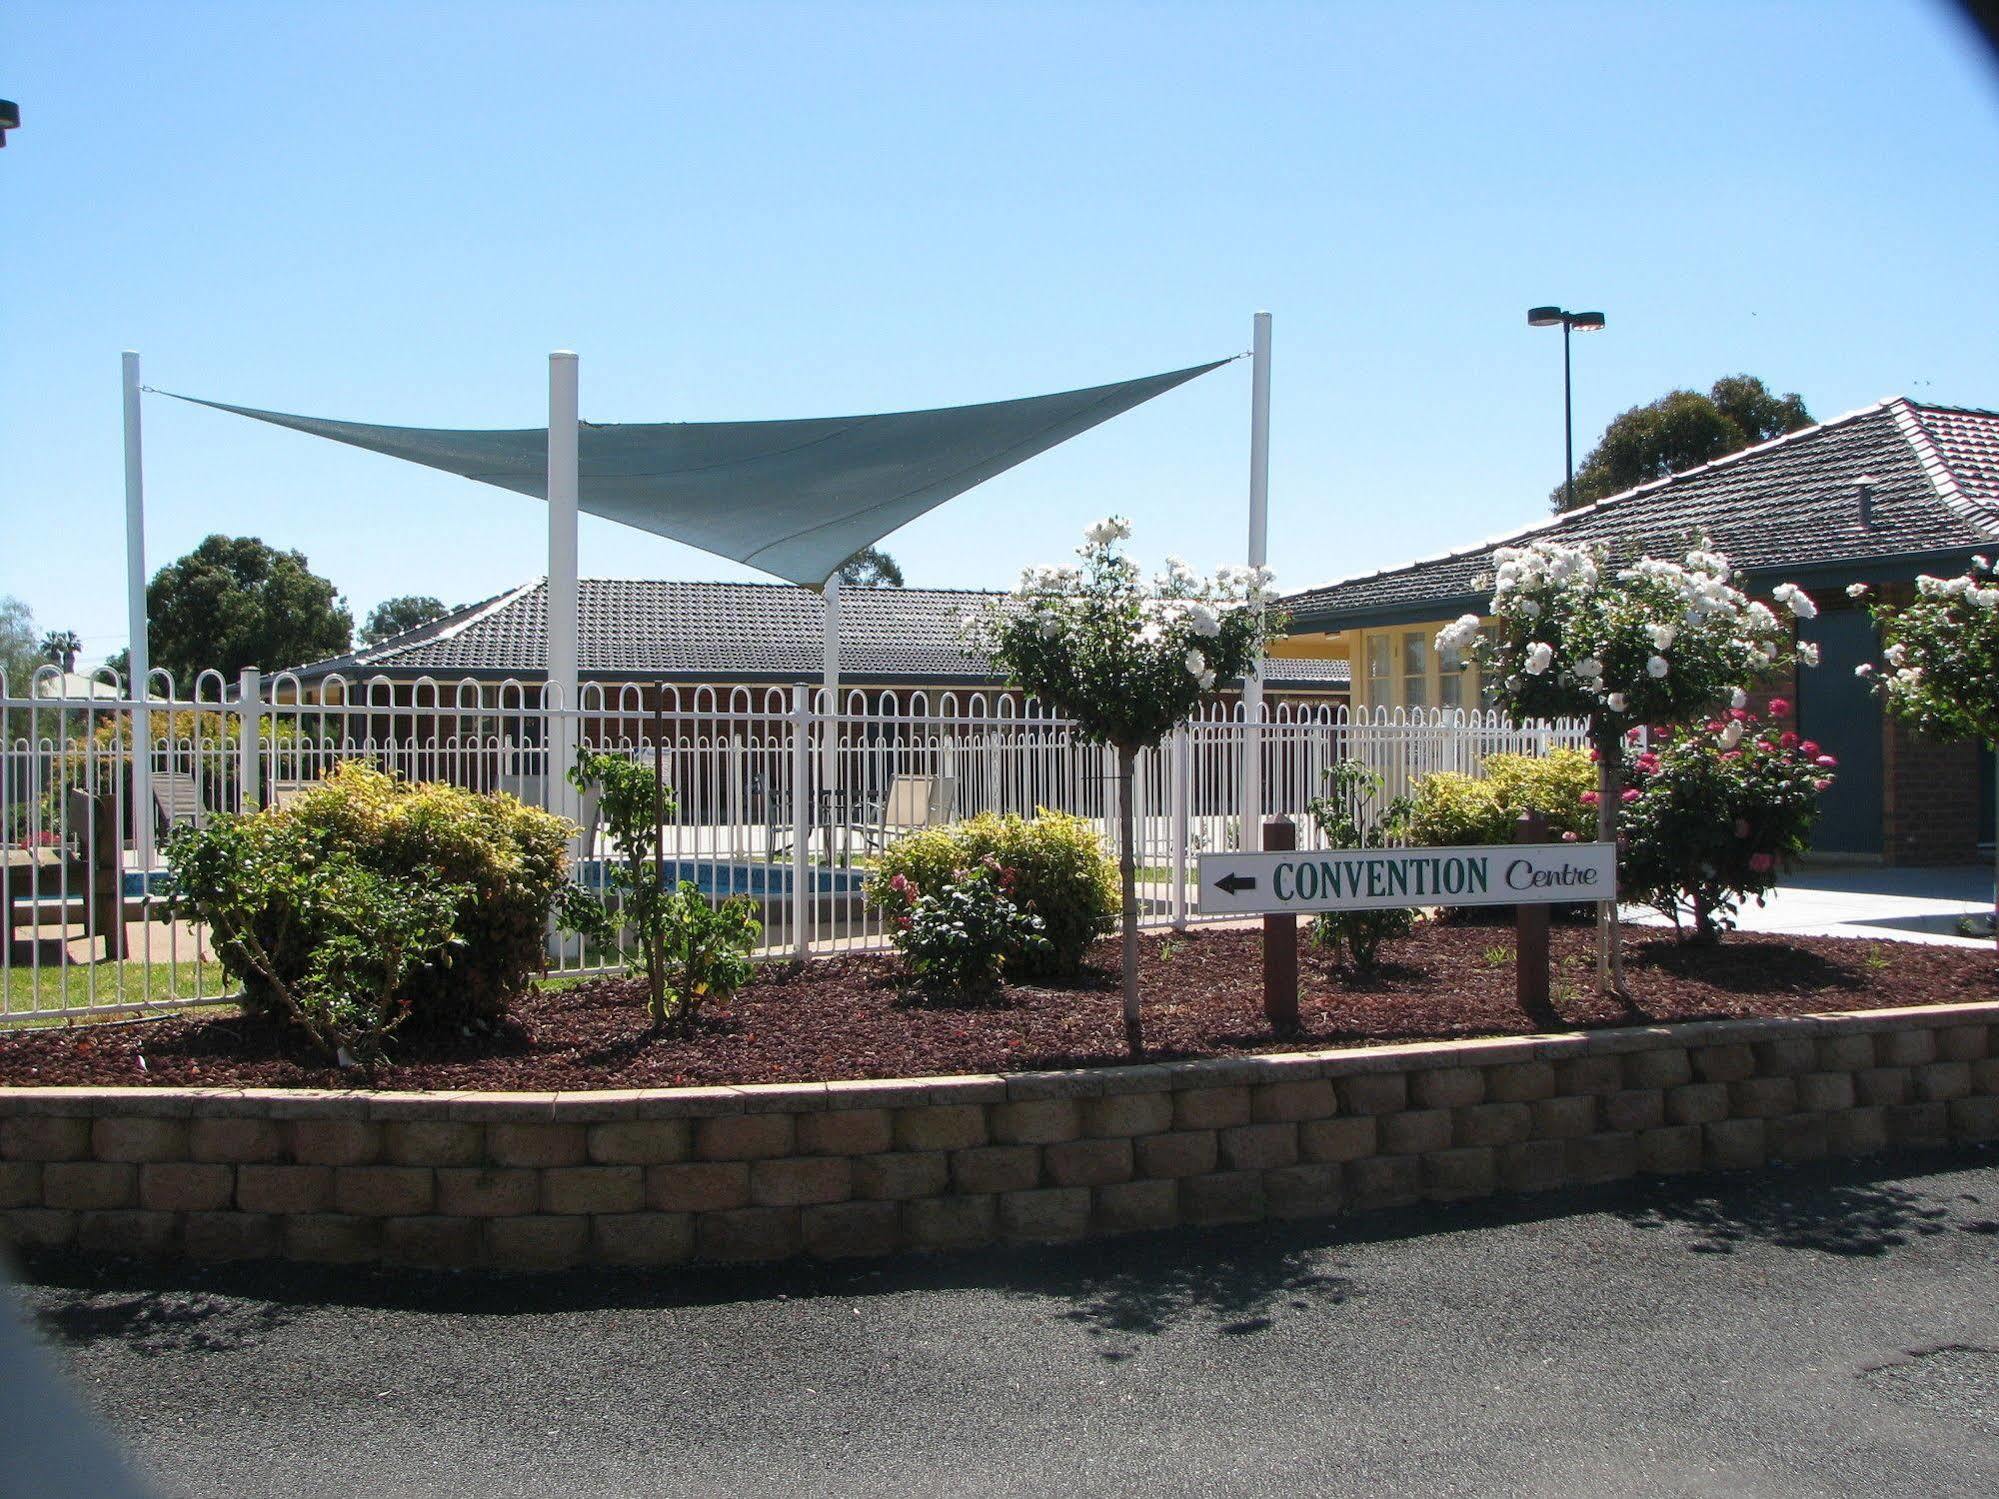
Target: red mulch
(845, 1017)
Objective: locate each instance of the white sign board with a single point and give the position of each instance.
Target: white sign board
(1379, 879)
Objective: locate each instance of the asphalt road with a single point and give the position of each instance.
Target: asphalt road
(1814, 1332)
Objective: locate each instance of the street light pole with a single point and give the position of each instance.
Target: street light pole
(1588, 322)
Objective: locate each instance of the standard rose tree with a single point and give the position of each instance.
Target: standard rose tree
(1127, 662)
(1941, 667)
(1657, 642)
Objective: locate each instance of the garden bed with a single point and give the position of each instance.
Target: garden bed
(846, 1017)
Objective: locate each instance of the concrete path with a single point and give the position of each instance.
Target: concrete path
(1909, 905)
(1819, 1332)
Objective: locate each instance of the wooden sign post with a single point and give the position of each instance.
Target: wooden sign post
(1530, 933)
(1280, 941)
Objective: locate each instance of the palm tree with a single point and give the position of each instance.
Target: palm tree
(61, 647)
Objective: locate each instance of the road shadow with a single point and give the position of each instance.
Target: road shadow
(175, 1319)
(1853, 1219)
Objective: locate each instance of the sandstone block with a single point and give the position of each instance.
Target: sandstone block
(1533, 1165)
(384, 1191)
(1723, 1064)
(1127, 1114)
(995, 1168)
(1671, 1150)
(487, 1191)
(1306, 1098)
(1187, 1152)
(431, 1242)
(1963, 1043)
(745, 1137)
(1092, 1163)
(1384, 1181)
(1492, 1124)
(949, 1222)
(334, 1142)
(902, 1175)
(1210, 1108)
(801, 1180)
(642, 1238)
(1857, 1132)
(186, 1187)
(1520, 1082)
(1634, 1109)
(1911, 1048)
(1333, 1140)
(132, 1231)
(1047, 1215)
(941, 1127)
(1133, 1207)
(1374, 1093)
(698, 1187)
(1602, 1158)
(1223, 1197)
(230, 1236)
(331, 1238)
(536, 1241)
(842, 1230)
(1797, 1137)
(1668, 1067)
(117, 1139)
(1788, 1057)
(20, 1184)
(1589, 1075)
(537, 1144)
(1884, 1085)
(1825, 1092)
(1697, 1103)
(567, 1190)
(1416, 1131)
(1940, 1082)
(1448, 1087)
(89, 1185)
(1563, 1118)
(1762, 1098)
(432, 1142)
(1924, 1124)
(37, 1228)
(1845, 1053)
(29, 1137)
(1036, 1121)
(1985, 1075)
(236, 1141)
(1974, 1118)
(1308, 1191)
(846, 1132)
(1452, 1174)
(1734, 1144)
(1258, 1147)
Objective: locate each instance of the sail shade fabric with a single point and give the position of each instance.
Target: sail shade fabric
(791, 498)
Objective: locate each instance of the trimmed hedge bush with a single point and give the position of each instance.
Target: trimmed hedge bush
(1059, 873)
(1453, 810)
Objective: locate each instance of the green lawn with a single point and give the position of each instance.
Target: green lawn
(36, 996)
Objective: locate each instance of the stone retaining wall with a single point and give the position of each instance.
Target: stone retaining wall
(541, 1181)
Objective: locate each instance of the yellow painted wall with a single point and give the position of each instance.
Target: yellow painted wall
(1400, 667)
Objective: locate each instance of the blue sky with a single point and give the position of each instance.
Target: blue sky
(393, 212)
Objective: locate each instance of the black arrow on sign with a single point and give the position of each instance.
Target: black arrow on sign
(1231, 882)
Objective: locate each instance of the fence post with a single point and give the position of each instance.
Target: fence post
(1530, 939)
(1181, 792)
(801, 815)
(249, 720)
(1280, 941)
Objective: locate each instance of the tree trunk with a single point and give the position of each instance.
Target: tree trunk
(1609, 783)
(1127, 863)
(1995, 849)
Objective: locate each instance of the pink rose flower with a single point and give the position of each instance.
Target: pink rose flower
(1588, 798)
(1630, 795)
(1740, 715)
(1788, 739)
(1810, 747)
(1780, 707)
(1826, 762)
(1823, 783)
(1569, 838)
(1762, 863)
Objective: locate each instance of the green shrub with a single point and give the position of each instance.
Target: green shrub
(1348, 817)
(1453, 810)
(370, 902)
(690, 949)
(1060, 874)
(959, 935)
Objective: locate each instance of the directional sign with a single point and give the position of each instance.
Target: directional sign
(1379, 879)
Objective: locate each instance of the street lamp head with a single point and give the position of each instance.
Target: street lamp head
(1586, 322)
(10, 118)
(1544, 317)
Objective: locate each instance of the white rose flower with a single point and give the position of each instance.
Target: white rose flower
(1539, 655)
(1808, 652)
(1731, 736)
(1617, 702)
(1856, 590)
(1738, 699)
(1896, 654)
(1207, 680)
(1863, 670)
(1458, 634)
(1205, 622)
(1662, 636)
(1196, 663)
(1050, 627)
(1589, 666)
(1530, 608)
(1656, 666)
(1112, 528)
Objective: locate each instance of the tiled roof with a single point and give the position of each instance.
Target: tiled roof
(1789, 506)
(631, 629)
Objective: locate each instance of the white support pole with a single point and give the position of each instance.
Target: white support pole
(135, 616)
(829, 733)
(801, 820)
(1181, 752)
(560, 727)
(1259, 553)
(249, 720)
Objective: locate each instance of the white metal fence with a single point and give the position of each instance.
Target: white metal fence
(779, 796)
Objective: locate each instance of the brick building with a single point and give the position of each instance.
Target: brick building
(1880, 496)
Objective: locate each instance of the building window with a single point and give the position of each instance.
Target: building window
(1380, 686)
(1451, 674)
(1416, 669)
